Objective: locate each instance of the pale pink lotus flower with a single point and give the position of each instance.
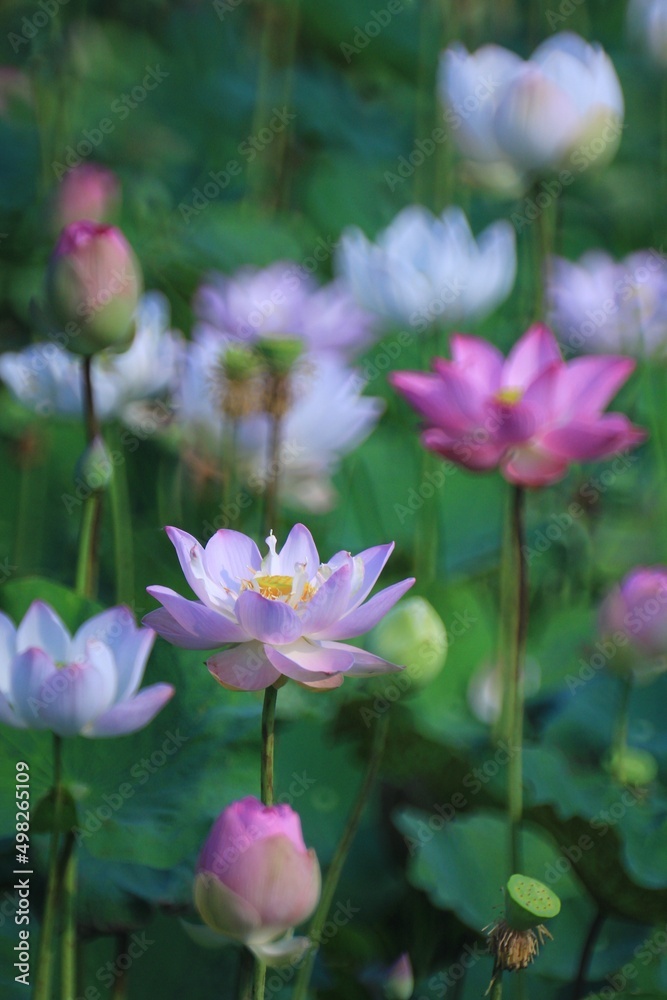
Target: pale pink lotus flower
(285, 613)
(531, 415)
(86, 684)
(256, 879)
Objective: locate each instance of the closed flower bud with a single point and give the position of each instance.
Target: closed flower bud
(255, 878)
(88, 191)
(95, 467)
(93, 284)
(634, 614)
(399, 983)
(413, 633)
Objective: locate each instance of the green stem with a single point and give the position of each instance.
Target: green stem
(69, 940)
(587, 954)
(44, 968)
(497, 992)
(268, 743)
(87, 565)
(121, 518)
(516, 678)
(246, 977)
(620, 739)
(340, 856)
(259, 980)
(122, 977)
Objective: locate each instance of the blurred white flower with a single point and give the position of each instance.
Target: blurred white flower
(327, 419)
(647, 22)
(282, 301)
(602, 306)
(426, 269)
(513, 118)
(48, 380)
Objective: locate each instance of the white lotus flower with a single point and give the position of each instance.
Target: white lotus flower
(647, 22)
(603, 306)
(513, 118)
(48, 379)
(426, 269)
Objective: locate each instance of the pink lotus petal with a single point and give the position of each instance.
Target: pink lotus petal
(329, 684)
(267, 620)
(583, 440)
(530, 466)
(373, 561)
(230, 557)
(299, 550)
(448, 399)
(468, 451)
(131, 646)
(535, 351)
(244, 668)
(481, 361)
(587, 384)
(306, 661)
(166, 626)
(8, 715)
(80, 692)
(29, 672)
(368, 615)
(365, 664)
(133, 714)
(329, 603)
(206, 625)
(191, 557)
(42, 628)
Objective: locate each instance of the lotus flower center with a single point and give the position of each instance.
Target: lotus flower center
(509, 395)
(279, 588)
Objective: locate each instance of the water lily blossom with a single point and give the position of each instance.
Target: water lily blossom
(513, 118)
(255, 877)
(425, 269)
(532, 414)
(87, 684)
(286, 613)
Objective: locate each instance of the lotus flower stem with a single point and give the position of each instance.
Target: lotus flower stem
(587, 953)
(620, 740)
(121, 516)
(497, 991)
(45, 953)
(268, 743)
(340, 856)
(87, 566)
(259, 980)
(69, 941)
(120, 986)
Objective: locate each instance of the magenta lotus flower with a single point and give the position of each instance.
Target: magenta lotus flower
(635, 612)
(286, 612)
(531, 414)
(85, 685)
(255, 878)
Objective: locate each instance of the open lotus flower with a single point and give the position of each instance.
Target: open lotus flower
(255, 878)
(513, 118)
(531, 414)
(426, 269)
(286, 612)
(85, 685)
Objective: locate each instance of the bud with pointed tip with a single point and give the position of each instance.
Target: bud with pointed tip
(399, 982)
(95, 467)
(93, 285)
(413, 634)
(255, 878)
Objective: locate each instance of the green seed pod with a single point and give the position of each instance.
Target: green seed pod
(633, 767)
(279, 354)
(529, 903)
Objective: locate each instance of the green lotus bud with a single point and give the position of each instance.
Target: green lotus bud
(93, 284)
(412, 634)
(95, 468)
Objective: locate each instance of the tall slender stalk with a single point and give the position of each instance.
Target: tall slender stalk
(121, 519)
(45, 954)
(68, 971)
(340, 856)
(89, 543)
(122, 977)
(268, 743)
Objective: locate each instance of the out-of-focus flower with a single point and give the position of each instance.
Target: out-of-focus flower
(281, 301)
(287, 611)
(94, 284)
(426, 269)
(88, 191)
(647, 21)
(599, 305)
(531, 414)
(86, 685)
(399, 981)
(513, 118)
(48, 380)
(634, 614)
(413, 634)
(255, 878)
(328, 417)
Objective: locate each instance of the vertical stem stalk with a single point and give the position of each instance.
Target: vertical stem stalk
(514, 682)
(45, 954)
(268, 743)
(88, 562)
(122, 978)
(68, 970)
(340, 856)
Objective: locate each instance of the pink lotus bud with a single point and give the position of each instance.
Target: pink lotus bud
(635, 612)
(399, 982)
(88, 191)
(255, 878)
(94, 283)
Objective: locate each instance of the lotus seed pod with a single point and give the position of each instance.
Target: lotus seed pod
(413, 634)
(280, 354)
(633, 767)
(529, 903)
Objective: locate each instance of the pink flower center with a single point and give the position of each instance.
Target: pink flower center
(510, 394)
(278, 588)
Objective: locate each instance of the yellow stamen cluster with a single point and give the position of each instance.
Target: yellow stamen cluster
(512, 949)
(278, 588)
(509, 395)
